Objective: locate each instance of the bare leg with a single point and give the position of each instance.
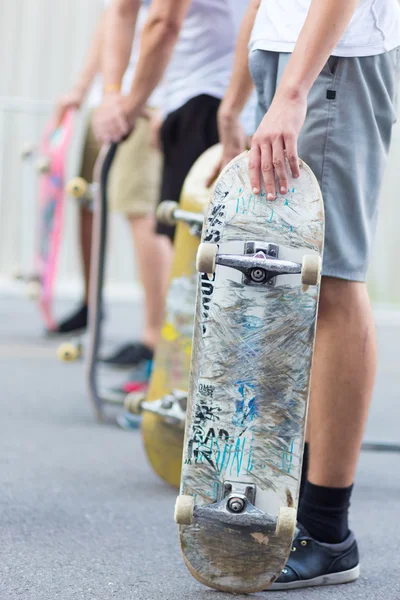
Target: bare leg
(86, 223)
(343, 377)
(154, 258)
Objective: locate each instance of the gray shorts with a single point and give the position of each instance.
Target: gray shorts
(345, 140)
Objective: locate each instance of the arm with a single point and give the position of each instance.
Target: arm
(241, 84)
(231, 133)
(118, 38)
(159, 37)
(75, 97)
(326, 22)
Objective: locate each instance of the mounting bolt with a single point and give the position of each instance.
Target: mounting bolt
(236, 505)
(167, 404)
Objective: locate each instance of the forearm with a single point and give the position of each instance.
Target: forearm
(325, 24)
(159, 37)
(119, 33)
(241, 84)
(93, 58)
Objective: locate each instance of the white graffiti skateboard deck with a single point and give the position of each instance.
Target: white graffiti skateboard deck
(250, 380)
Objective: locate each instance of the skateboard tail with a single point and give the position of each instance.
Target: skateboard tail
(254, 571)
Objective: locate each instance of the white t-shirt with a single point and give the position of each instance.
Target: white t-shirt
(203, 56)
(96, 92)
(373, 29)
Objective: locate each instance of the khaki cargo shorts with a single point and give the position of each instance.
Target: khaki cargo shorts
(135, 178)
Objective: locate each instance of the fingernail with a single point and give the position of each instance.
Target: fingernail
(296, 176)
(270, 196)
(256, 191)
(283, 190)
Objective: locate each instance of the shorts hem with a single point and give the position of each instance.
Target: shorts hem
(356, 277)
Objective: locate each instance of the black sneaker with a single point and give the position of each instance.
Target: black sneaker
(313, 563)
(129, 355)
(76, 322)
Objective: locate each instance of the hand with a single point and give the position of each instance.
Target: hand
(72, 100)
(233, 139)
(114, 119)
(276, 137)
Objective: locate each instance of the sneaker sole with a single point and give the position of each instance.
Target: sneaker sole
(330, 579)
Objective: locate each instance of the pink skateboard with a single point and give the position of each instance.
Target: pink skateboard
(52, 154)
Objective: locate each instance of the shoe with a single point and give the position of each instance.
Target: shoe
(129, 422)
(129, 355)
(76, 322)
(313, 563)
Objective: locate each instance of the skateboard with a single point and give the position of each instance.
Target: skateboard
(94, 196)
(52, 153)
(260, 264)
(164, 406)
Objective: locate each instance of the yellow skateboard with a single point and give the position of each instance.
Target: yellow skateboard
(164, 407)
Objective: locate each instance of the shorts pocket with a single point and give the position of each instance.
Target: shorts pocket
(331, 65)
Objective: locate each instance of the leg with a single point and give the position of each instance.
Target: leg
(78, 320)
(343, 377)
(85, 230)
(154, 257)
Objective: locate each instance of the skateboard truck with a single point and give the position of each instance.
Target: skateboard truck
(259, 264)
(235, 508)
(172, 407)
(169, 213)
(81, 190)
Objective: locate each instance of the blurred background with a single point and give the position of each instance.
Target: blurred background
(42, 44)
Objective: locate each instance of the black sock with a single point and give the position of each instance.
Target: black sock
(324, 511)
(304, 470)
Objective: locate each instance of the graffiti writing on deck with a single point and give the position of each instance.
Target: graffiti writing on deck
(206, 390)
(207, 290)
(214, 224)
(245, 405)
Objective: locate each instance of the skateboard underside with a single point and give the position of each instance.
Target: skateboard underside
(249, 386)
(163, 433)
(53, 149)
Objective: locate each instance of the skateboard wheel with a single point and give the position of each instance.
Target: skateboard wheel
(77, 187)
(43, 165)
(184, 508)
(206, 254)
(165, 212)
(27, 151)
(68, 352)
(133, 403)
(33, 290)
(286, 522)
(311, 269)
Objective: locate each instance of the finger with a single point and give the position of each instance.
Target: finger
(279, 162)
(292, 155)
(121, 125)
(254, 168)
(267, 170)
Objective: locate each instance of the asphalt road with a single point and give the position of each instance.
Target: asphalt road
(83, 516)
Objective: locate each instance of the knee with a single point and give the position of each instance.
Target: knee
(340, 297)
